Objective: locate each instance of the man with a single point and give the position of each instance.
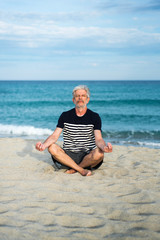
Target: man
(83, 147)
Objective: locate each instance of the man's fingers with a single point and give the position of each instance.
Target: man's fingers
(39, 146)
(109, 145)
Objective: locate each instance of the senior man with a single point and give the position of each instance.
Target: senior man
(83, 146)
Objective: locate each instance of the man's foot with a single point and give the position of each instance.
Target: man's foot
(71, 171)
(84, 172)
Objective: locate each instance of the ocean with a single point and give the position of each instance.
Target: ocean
(130, 110)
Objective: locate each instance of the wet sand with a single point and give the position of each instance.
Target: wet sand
(121, 200)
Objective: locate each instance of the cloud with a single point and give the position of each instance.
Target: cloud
(150, 6)
(126, 6)
(37, 34)
(59, 17)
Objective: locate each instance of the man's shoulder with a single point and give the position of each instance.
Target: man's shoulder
(95, 119)
(66, 116)
(69, 112)
(92, 112)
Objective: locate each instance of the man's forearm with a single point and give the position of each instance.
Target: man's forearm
(101, 144)
(49, 141)
(52, 138)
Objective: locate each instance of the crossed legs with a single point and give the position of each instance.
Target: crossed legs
(90, 160)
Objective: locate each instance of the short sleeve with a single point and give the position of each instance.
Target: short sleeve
(97, 122)
(60, 123)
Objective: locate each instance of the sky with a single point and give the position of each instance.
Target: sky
(80, 40)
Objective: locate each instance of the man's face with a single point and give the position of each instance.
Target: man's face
(80, 98)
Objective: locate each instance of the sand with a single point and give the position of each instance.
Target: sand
(121, 200)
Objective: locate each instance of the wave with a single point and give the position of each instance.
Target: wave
(137, 135)
(137, 144)
(35, 103)
(23, 131)
(119, 102)
(132, 138)
(134, 117)
(149, 144)
(100, 102)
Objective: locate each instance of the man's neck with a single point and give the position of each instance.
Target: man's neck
(80, 111)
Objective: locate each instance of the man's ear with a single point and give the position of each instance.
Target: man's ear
(73, 100)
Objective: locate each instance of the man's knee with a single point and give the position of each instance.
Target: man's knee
(98, 155)
(53, 149)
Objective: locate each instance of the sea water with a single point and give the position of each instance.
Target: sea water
(130, 110)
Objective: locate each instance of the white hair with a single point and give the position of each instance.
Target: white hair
(79, 88)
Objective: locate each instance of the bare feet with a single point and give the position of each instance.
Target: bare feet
(84, 172)
(71, 171)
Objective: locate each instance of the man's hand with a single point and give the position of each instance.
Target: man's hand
(108, 148)
(40, 146)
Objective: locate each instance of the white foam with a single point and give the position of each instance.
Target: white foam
(151, 144)
(13, 130)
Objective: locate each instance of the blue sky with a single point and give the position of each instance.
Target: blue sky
(80, 40)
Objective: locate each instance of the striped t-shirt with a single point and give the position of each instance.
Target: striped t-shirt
(78, 132)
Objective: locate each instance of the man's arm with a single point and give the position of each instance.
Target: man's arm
(100, 143)
(50, 140)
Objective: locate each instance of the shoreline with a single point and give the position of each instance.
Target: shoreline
(119, 201)
(139, 144)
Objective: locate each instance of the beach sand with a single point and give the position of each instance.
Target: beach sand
(121, 200)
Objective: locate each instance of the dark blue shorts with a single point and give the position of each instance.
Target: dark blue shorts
(77, 157)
